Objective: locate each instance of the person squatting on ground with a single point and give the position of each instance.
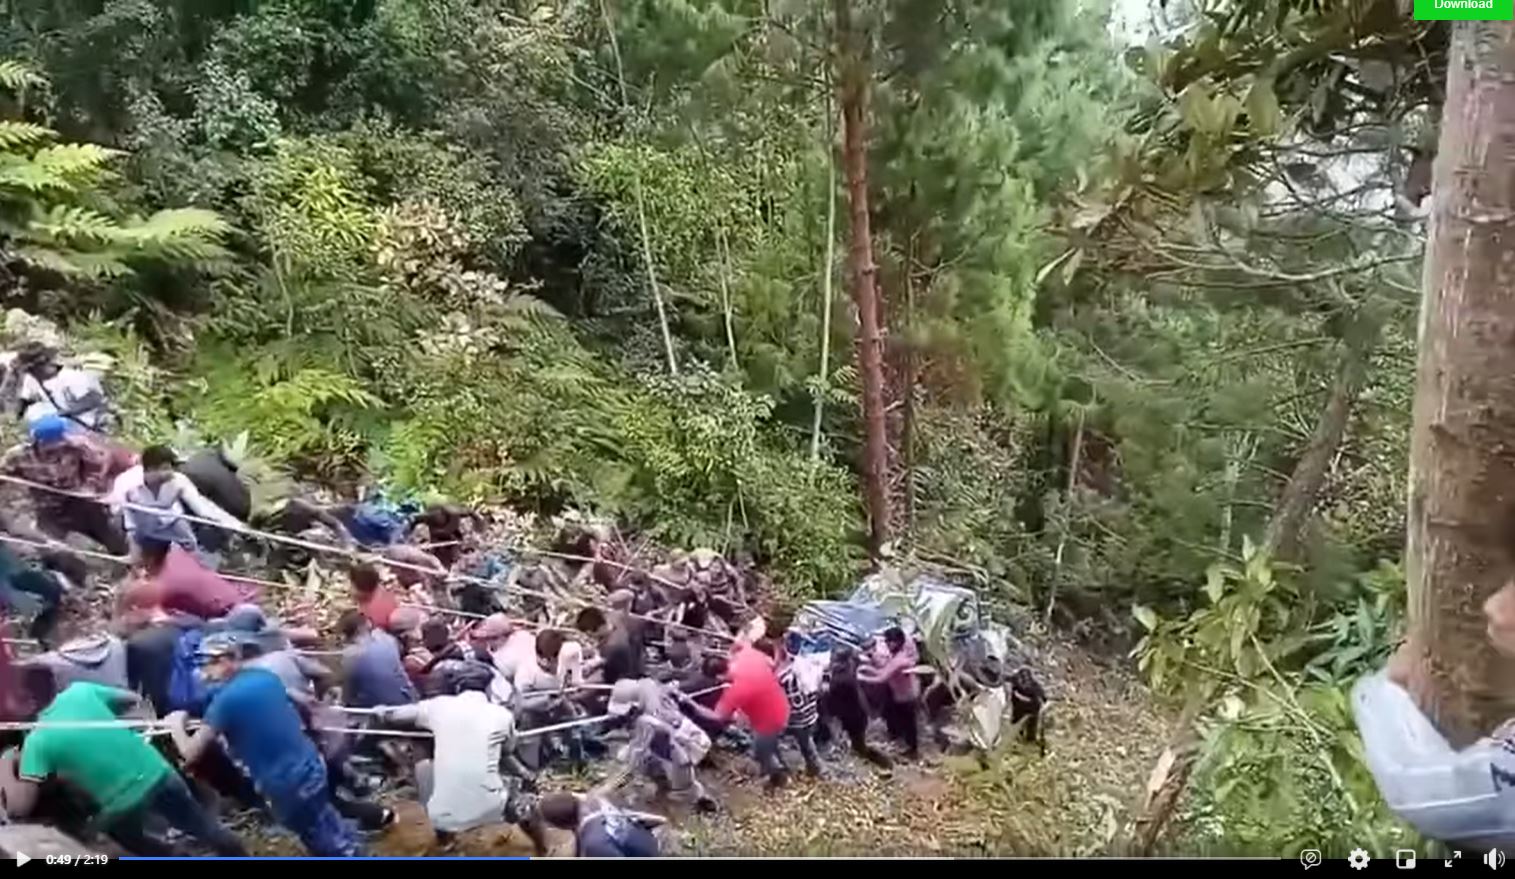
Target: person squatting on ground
(600, 828)
(543, 683)
(129, 781)
(666, 745)
(375, 669)
(461, 785)
(68, 462)
(265, 734)
(28, 590)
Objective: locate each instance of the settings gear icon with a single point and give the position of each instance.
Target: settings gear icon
(1358, 859)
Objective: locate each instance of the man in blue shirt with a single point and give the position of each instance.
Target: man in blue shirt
(265, 733)
(374, 666)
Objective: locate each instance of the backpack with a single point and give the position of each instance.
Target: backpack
(373, 525)
(186, 691)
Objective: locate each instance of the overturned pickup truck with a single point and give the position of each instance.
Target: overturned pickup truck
(974, 658)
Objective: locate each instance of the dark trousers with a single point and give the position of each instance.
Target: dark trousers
(368, 816)
(60, 517)
(845, 703)
(172, 802)
(49, 594)
(901, 721)
(804, 736)
(765, 749)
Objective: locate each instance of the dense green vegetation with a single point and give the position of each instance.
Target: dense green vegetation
(1149, 312)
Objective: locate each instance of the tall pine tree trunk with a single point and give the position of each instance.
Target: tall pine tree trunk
(852, 80)
(1462, 450)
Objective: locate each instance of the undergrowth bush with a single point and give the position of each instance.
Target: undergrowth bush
(693, 460)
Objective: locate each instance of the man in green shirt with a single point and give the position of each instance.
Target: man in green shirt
(127, 778)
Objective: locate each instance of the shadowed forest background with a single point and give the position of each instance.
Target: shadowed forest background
(1146, 310)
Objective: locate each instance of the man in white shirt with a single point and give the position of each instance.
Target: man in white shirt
(48, 388)
(157, 484)
(461, 785)
(544, 682)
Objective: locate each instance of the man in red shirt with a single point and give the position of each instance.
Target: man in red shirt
(178, 582)
(754, 692)
(376, 602)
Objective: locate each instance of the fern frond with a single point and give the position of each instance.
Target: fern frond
(65, 223)
(183, 224)
(529, 306)
(73, 263)
(76, 162)
(188, 235)
(14, 75)
(28, 176)
(15, 134)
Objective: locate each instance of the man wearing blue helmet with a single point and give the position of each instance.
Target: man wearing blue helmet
(67, 461)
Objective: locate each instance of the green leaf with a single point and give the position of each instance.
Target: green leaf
(1145, 615)
(1215, 583)
(1263, 114)
(1197, 106)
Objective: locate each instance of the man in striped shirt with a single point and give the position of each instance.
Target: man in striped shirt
(802, 688)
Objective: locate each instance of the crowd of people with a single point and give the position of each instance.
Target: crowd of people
(460, 669)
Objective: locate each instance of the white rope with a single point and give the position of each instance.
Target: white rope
(362, 557)
(159, 727)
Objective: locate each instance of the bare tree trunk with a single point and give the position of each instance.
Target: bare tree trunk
(641, 202)
(1074, 459)
(853, 76)
(911, 375)
(1462, 449)
(1309, 476)
(828, 272)
(725, 256)
(1168, 781)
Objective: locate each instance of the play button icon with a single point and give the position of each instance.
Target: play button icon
(22, 859)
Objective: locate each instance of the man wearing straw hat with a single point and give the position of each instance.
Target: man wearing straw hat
(81, 738)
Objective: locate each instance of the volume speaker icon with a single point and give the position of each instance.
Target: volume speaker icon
(1493, 859)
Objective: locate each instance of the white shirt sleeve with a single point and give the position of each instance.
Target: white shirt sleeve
(201, 505)
(571, 664)
(31, 389)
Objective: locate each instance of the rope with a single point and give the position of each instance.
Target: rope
(157, 727)
(60, 546)
(352, 554)
(126, 561)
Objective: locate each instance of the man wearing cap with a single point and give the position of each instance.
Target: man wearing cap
(127, 778)
(666, 745)
(266, 734)
(461, 785)
(153, 497)
(66, 461)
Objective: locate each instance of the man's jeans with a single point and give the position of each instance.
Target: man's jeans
(171, 801)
